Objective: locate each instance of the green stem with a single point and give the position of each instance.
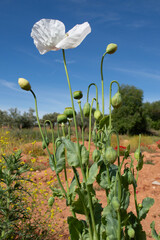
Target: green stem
(119, 212)
(36, 108)
(58, 130)
(135, 201)
(93, 84)
(63, 131)
(79, 103)
(109, 182)
(51, 125)
(90, 124)
(139, 145)
(82, 170)
(69, 128)
(110, 101)
(102, 82)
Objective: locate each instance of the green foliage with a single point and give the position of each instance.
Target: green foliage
(152, 111)
(51, 117)
(154, 233)
(13, 209)
(130, 117)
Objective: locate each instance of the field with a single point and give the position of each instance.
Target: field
(51, 223)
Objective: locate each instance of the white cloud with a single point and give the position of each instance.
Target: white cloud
(140, 73)
(8, 84)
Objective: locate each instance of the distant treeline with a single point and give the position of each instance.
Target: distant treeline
(133, 117)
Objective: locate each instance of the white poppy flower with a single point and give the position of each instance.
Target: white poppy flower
(49, 34)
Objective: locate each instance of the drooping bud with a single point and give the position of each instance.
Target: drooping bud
(97, 115)
(77, 94)
(115, 203)
(111, 155)
(24, 84)
(116, 100)
(111, 48)
(69, 112)
(46, 142)
(96, 155)
(62, 118)
(86, 109)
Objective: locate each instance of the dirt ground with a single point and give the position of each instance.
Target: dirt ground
(146, 188)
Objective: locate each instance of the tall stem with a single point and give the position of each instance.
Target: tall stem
(82, 170)
(93, 84)
(82, 122)
(36, 108)
(90, 124)
(102, 82)
(69, 128)
(69, 85)
(51, 125)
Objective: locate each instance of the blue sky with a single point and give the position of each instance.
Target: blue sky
(133, 24)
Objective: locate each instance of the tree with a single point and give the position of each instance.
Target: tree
(15, 117)
(130, 117)
(4, 118)
(152, 111)
(28, 119)
(50, 116)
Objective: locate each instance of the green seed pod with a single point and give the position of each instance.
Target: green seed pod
(62, 118)
(86, 109)
(111, 48)
(69, 112)
(111, 155)
(115, 203)
(24, 84)
(50, 201)
(116, 100)
(96, 155)
(77, 94)
(97, 115)
(131, 232)
(137, 155)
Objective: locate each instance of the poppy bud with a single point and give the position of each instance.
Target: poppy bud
(97, 115)
(116, 100)
(111, 155)
(96, 155)
(77, 94)
(111, 48)
(69, 112)
(24, 84)
(115, 203)
(45, 142)
(86, 109)
(62, 118)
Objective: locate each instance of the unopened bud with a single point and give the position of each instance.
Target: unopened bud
(77, 94)
(111, 48)
(24, 84)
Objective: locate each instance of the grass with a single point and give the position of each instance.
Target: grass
(125, 140)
